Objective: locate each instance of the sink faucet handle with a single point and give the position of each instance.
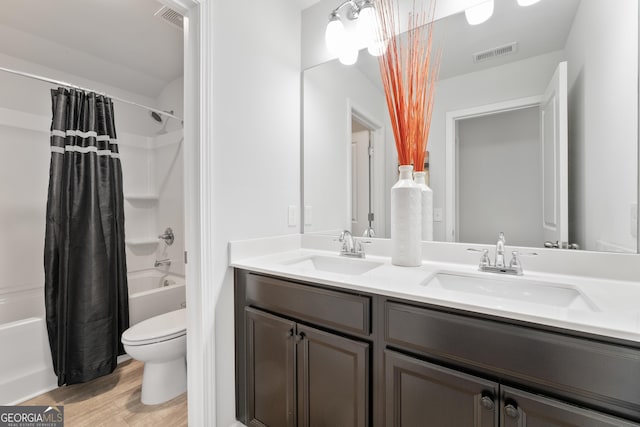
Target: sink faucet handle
(515, 260)
(484, 258)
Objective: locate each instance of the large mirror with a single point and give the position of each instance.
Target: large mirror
(487, 166)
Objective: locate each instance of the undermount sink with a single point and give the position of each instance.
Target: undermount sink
(513, 289)
(341, 265)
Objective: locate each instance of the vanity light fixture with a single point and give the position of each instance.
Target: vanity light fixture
(527, 2)
(343, 42)
(335, 33)
(479, 13)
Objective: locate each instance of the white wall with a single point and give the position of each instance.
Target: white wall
(603, 78)
(500, 178)
(256, 151)
(329, 92)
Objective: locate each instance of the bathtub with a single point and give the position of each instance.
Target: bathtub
(25, 358)
(153, 292)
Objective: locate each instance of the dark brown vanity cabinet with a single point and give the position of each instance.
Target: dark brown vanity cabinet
(417, 391)
(521, 409)
(583, 376)
(314, 355)
(297, 374)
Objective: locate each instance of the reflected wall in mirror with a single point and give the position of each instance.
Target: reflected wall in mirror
(488, 169)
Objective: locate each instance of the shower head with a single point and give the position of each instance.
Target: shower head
(156, 117)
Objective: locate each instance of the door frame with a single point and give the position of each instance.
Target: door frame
(377, 132)
(451, 152)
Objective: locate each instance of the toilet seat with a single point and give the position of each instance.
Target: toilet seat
(156, 329)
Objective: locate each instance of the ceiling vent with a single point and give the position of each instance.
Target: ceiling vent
(496, 52)
(171, 17)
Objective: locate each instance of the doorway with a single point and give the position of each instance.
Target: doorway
(366, 191)
(499, 177)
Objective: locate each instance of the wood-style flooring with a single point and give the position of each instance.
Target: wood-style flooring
(114, 401)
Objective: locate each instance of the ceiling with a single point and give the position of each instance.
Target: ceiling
(116, 42)
(538, 29)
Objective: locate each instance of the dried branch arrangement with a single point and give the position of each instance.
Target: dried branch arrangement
(409, 71)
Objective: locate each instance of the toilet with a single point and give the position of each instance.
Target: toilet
(161, 343)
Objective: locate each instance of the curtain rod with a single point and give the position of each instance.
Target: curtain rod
(69, 85)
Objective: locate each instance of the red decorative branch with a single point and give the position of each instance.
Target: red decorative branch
(409, 72)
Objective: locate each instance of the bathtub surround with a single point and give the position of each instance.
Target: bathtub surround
(86, 295)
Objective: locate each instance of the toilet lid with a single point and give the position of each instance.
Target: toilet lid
(159, 328)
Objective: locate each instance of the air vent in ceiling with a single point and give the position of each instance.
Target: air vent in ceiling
(170, 16)
(495, 52)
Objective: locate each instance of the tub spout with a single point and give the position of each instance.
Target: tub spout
(161, 262)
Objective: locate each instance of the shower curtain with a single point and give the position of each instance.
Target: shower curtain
(86, 294)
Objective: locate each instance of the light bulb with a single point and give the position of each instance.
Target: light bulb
(478, 14)
(348, 54)
(527, 2)
(366, 24)
(377, 47)
(335, 35)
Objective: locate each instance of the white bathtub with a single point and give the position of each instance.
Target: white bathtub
(152, 292)
(25, 358)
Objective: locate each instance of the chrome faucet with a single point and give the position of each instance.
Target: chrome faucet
(165, 261)
(500, 251)
(167, 236)
(351, 246)
(514, 267)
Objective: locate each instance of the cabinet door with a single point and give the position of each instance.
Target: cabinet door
(270, 370)
(421, 394)
(333, 380)
(522, 409)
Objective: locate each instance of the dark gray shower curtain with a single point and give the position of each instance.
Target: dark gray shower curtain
(86, 293)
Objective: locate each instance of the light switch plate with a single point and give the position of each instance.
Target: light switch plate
(634, 219)
(437, 214)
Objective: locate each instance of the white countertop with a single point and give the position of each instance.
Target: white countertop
(613, 305)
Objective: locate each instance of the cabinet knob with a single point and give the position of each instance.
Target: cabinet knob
(511, 411)
(487, 402)
(301, 336)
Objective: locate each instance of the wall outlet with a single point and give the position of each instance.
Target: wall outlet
(308, 219)
(634, 219)
(292, 216)
(437, 214)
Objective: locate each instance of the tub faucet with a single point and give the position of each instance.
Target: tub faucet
(161, 262)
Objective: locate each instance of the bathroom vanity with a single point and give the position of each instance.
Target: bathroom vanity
(342, 349)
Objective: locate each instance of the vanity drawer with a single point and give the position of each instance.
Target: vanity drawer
(334, 309)
(599, 374)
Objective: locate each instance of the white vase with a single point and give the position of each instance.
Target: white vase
(406, 220)
(427, 205)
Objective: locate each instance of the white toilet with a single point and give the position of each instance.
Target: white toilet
(161, 343)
